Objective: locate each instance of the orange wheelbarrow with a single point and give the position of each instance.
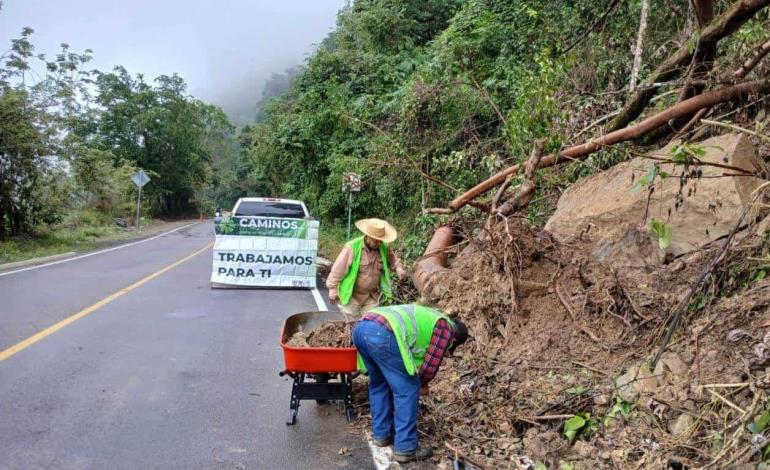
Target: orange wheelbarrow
(321, 374)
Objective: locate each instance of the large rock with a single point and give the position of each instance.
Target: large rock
(635, 382)
(603, 208)
(683, 424)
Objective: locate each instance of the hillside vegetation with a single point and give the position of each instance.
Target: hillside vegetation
(646, 350)
(426, 98)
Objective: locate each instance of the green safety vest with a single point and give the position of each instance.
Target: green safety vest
(348, 283)
(412, 326)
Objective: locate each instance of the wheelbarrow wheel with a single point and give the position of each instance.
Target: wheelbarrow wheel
(292, 419)
(350, 414)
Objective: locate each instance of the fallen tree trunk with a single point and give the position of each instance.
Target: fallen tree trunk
(683, 108)
(748, 65)
(721, 27)
(434, 259)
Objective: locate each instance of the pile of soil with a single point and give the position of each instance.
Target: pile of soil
(556, 334)
(332, 334)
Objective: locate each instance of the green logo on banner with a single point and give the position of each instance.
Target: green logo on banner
(262, 227)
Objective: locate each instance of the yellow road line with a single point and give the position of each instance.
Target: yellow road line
(89, 310)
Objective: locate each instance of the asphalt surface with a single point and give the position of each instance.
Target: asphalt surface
(171, 374)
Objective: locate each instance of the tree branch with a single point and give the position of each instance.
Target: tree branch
(759, 53)
(727, 23)
(600, 20)
(683, 108)
(528, 186)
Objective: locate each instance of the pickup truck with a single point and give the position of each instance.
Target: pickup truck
(270, 207)
(267, 242)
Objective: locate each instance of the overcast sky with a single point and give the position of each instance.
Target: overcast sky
(224, 49)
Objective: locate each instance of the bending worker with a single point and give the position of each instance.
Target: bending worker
(361, 274)
(402, 346)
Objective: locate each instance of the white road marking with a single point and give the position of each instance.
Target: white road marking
(381, 457)
(119, 247)
(319, 301)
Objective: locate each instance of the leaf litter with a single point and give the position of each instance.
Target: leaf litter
(557, 372)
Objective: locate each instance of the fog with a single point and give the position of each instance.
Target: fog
(224, 50)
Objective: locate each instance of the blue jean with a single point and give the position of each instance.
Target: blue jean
(394, 395)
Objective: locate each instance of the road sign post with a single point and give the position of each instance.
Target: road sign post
(140, 178)
(351, 182)
(350, 210)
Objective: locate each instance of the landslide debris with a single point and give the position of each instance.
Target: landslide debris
(332, 334)
(558, 334)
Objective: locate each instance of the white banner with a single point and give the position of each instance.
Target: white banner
(267, 261)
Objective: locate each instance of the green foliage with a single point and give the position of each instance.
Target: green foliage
(576, 390)
(78, 230)
(71, 139)
(700, 301)
(686, 153)
(647, 179)
(417, 234)
(277, 85)
(662, 231)
(160, 129)
(23, 163)
(579, 425)
(619, 408)
(423, 98)
(103, 186)
(331, 239)
(426, 97)
(760, 424)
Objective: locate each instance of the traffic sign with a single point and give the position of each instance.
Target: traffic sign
(140, 178)
(351, 182)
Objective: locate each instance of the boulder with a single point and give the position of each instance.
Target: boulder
(625, 385)
(635, 382)
(604, 209)
(634, 249)
(681, 425)
(674, 363)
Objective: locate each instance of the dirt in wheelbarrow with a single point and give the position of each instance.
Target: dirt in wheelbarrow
(332, 334)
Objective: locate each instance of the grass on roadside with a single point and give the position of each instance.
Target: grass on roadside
(331, 239)
(79, 231)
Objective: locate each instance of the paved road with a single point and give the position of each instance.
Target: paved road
(170, 374)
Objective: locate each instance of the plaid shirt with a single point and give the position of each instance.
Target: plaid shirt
(442, 337)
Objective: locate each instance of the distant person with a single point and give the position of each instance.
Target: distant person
(361, 274)
(402, 347)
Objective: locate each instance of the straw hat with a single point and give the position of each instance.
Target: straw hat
(377, 229)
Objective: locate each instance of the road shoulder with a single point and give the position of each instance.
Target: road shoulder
(101, 244)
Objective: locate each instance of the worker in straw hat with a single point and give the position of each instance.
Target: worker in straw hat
(361, 274)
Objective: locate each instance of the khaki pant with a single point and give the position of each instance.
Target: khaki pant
(356, 310)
